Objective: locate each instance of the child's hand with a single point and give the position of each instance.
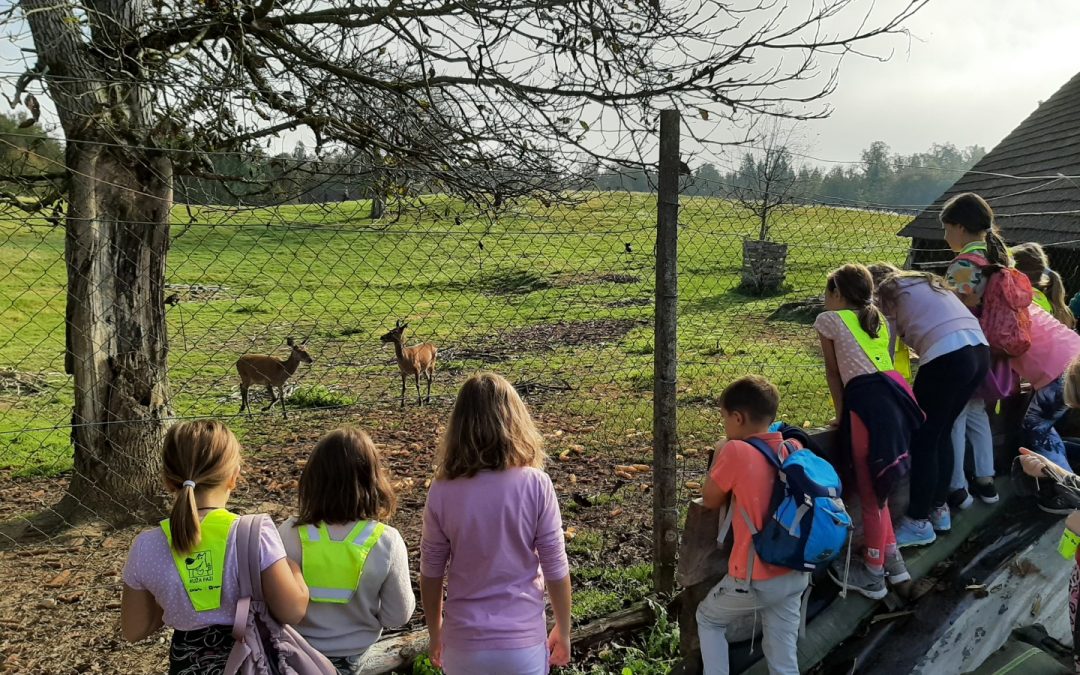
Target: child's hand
(435, 648)
(1034, 465)
(834, 423)
(559, 646)
(1073, 521)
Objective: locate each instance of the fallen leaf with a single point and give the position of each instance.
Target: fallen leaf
(564, 456)
(570, 533)
(48, 603)
(59, 580)
(615, 512)
(579, 449)
(693, 485)
(625, 475)
(642, 468)
(573, 479)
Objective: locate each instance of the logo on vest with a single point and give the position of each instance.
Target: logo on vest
(200, 568)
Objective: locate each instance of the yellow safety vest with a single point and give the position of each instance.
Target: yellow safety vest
(332, 568)
(202, 570)
(876, 349)
(902, 359)
(1040, 299)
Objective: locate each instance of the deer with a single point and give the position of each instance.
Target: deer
(416, 361)
(270, 372)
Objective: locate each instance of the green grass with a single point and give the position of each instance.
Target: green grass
(326, 274)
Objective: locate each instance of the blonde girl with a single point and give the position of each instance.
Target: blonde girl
(356, 567)
(183, 574)
(1049, 289)
(493, 532)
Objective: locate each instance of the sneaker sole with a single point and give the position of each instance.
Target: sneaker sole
(990, 500)
(919, 542)
(898, 578)
(873, 595)
(965, 505)
(945, 531)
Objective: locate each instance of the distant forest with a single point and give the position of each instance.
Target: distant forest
(880, 178)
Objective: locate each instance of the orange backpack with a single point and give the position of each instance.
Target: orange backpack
(1003, 315)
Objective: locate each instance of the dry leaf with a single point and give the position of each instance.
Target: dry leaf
(578, 448)
(642, 468)
(50, 603)
(570, 533)
(1036, 605)
(625, 468)
(59, 580)
(617, 511)
(693, 485)
(624, 475)
(573, 479)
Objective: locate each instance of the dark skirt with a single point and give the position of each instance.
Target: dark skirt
(200, 652)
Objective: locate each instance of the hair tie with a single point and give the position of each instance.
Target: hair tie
(189, 483)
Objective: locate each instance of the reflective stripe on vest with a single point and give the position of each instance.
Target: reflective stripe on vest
(332, 568)
(202, 570)
(876, 349)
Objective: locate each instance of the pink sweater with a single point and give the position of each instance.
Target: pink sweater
(491, 535)
(1053, 348)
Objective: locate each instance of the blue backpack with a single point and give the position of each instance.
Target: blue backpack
(808, 524)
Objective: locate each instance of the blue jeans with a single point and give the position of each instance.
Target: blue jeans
(1046, 408)
(973, 425)
(779, 600)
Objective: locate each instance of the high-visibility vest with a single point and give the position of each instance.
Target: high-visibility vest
(1040, 299)
(902, 359)
(876, 349)
(332, 568)
(203, 569)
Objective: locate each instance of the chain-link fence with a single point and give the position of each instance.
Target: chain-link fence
(558, 297)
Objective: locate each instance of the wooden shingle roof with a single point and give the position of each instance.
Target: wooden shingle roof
(1043, 205)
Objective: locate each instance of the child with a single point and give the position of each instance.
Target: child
(1049, 288)
(877, 414)
(201, 466)
(970, 230)
(356, 568)
(492, 513)
(954, 358)
(748, 407)
(1038, 466)
(1053, 348)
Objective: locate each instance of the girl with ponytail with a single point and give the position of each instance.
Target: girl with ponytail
(877, 415)
(1049, 289)
(183, 573)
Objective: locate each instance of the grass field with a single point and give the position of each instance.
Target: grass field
(556, 296)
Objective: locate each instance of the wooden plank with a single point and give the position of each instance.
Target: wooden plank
(401, 650)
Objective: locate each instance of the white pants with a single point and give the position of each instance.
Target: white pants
(973, 425)
(525, 661)
(778, 600)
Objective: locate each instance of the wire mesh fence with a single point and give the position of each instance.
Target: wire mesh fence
(558, 297)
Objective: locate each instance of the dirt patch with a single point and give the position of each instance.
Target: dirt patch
(802, 311)
(61, 609)
(23, 384)
(177, 293)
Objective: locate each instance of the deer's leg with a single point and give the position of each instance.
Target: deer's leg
(244, 399)
(272, 395)
(430, 377)
(281, 398)
(403, 390)
(419, 401)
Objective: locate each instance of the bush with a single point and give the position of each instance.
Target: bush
(319, 396)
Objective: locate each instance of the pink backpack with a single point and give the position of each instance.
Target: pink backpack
(1004, 313)
(264, 646)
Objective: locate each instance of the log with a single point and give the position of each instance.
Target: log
(402, 649)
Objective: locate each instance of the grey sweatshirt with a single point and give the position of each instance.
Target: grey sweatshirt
(384, 598)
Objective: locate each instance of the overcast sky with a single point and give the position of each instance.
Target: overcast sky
(975, 71)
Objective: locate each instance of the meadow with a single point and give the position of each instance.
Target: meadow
(559, 298)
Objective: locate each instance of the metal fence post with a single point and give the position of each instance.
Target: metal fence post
(665, 509)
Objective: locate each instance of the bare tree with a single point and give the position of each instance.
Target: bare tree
(147, 91)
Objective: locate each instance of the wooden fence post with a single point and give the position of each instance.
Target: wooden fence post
(665, 491)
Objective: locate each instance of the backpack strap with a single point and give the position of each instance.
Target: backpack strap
(763, 447)
(248, 571)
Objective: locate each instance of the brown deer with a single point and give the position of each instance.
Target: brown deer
(416, 361)
(271, 372)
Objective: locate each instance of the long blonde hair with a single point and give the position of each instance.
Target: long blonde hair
(1031, 259)
(206, 453)
(1072, 384)
(489, 429)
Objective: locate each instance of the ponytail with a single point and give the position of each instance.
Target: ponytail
(1056, 295)
(184, 526)
(870, 320)
(197, 455)
(997, 251)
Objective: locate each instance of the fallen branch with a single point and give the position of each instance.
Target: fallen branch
(400, 650)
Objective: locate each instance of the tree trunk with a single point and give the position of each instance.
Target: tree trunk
(378, 205)
(117, 238)
(117, 241)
